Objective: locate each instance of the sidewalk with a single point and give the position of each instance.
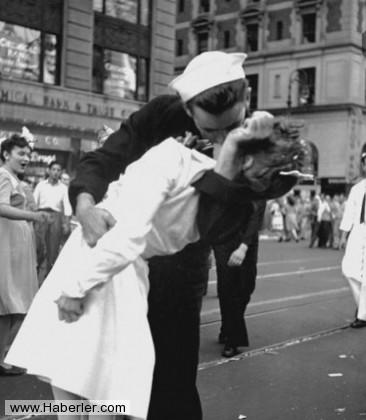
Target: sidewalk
(319, 378)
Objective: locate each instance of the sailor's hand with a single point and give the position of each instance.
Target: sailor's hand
(95, 222)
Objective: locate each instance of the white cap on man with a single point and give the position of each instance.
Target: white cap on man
(207, 70)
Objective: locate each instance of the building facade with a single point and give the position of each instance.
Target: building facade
(69, 67)
(305, 58)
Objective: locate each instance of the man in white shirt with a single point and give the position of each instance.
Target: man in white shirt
(51, 195)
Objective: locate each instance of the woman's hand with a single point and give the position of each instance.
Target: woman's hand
(42, 217)
(258, 126)
(230, 160)
(70, 309)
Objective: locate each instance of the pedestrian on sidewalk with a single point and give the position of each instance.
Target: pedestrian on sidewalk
(277, 219)
(18, 279)
(354, 260)
(291, 219)
(236, 267)
(105, 288)
(325, 221)
(51, 196)
(314, 222)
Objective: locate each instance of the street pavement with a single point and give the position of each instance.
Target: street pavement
(303, 363)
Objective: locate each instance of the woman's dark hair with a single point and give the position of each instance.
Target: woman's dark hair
(220, 98)
(283, 150)
(14, 141)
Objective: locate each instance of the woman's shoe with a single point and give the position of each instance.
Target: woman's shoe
(11, 371)
(358, 323)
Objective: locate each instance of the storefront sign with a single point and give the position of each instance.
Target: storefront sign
(46, 142)
(54, 100)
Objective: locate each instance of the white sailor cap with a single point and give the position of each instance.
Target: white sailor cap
(209, 69)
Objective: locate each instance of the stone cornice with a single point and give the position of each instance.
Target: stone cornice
(312, 109)
(307, 4)
(254, 11)
(202, 23)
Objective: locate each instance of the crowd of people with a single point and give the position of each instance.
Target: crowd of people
(187, 173)
(315, 218)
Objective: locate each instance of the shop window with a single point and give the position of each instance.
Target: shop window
(253, 84)
(279, 30)
(179, 50)
(134, 11)
(119, 74)
(252, 37)
(227, 39)
(308, 28)
(29, 54)
(204, 6)
(202, 42)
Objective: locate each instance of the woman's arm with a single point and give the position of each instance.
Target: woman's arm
(9, 212)
(144, 188)
(12, 213)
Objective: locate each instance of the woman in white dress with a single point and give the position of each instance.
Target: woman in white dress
(108, 353)
(354, 261)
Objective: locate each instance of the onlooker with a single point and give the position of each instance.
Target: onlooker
(314, 223)
(236, 266)
(276, 211)
(65, 179)
(354, 261)
(336, 210)
(325, 221)
(18, 283)
(51, 196)
(304, 218)
(291, 219)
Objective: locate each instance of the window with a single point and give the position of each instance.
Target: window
(253, 84)
(204, 6)
(181, 6)
(179, 50)
(28, 54)
(308, 28)
(134, 11)
(279, 30)
(306, 86)
(227, 39)
(252, 37)
(277, 86)
(202, 42)
(119, 74)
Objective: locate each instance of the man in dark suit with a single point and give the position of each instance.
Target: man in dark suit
(236, 267)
